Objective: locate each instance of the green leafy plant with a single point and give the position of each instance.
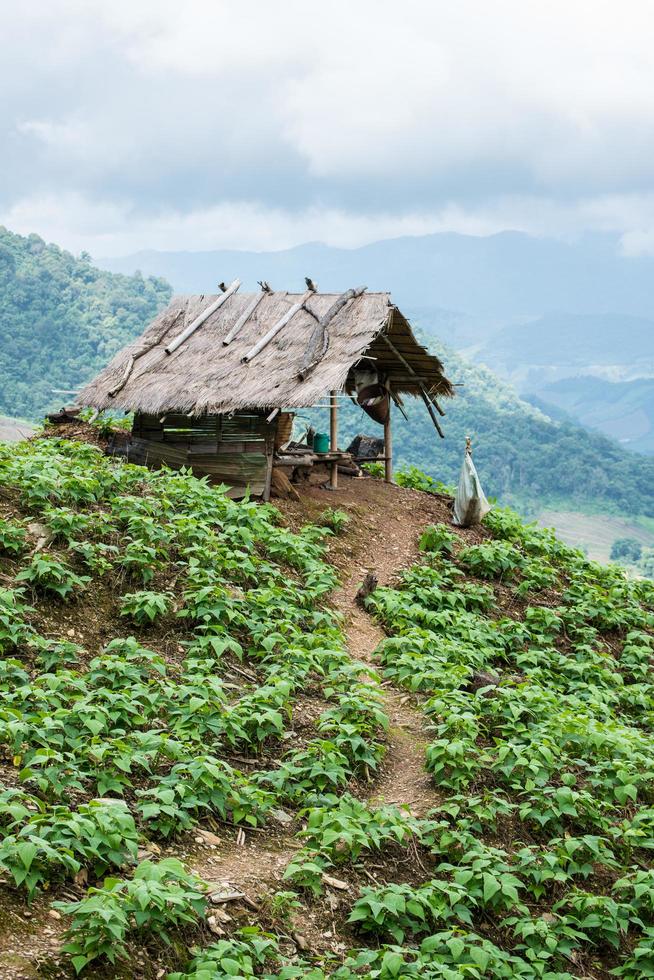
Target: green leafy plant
(13, 539)
(204, 785)
(438, 539)
(144, 607)
(161, 896)
(492, 559)
(374, 469)
(14, 627)
(242, 956)
(58, 842)
(96, 555)
(333, 518)
(140, 560)
(416, 479)
(48, 574)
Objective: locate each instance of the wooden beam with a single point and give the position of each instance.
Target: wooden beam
(333, 437)
(319, 339)
(400, 356)
(430, 409)
(388, 446)
(199, 320)
(400, 404)
(274, 330)
(268, 481)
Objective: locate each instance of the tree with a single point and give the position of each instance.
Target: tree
(646, 563)
(61, 320)
(626, 549)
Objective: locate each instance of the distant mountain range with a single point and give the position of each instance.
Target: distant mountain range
(623, 409)
(494, 299)
(495, 280)
(612, 346)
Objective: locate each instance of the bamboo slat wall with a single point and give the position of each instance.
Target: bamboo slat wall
(236, 450)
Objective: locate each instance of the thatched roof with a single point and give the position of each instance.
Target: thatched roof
(204, 376)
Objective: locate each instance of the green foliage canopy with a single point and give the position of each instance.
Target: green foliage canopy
(61, 319)
(626, 549)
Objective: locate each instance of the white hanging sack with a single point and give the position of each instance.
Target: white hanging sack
(470, 504)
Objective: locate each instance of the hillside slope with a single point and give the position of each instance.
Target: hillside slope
(183, 716)
(61, 319)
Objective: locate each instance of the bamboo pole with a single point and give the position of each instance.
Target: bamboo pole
(400, 404)
(133, 358)
(429, 402)
(388, 446)
(333, 437)
(245, 316)
(430, 409)
(199, 320)
(274, 330)
(319, 339)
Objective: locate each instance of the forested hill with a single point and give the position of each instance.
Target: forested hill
(529, 460)
(61, 318)
(523, 457)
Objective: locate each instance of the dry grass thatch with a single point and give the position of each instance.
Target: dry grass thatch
(204, 376)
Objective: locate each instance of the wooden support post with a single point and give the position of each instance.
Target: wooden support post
(333, 437)
(388, 446)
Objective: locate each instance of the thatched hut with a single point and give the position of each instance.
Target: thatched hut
(209, 379)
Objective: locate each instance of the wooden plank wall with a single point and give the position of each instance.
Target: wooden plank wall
(233, 449)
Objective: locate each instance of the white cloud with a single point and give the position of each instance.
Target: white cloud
(107, 229)
(113, 228)
(156, 120)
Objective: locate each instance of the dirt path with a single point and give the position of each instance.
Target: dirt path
(403, 780)
(382, 537)
(385, 524)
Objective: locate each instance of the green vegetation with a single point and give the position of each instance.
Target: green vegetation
(542, 753)
(626, 549)
(333, 518)
(62, 319)
(524, 458)
(125, 744)
(532, 667)
(158, 897)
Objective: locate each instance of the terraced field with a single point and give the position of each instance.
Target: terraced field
(594, 533)
(204, 775)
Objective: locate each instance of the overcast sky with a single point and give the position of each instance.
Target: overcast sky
(195, 124)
